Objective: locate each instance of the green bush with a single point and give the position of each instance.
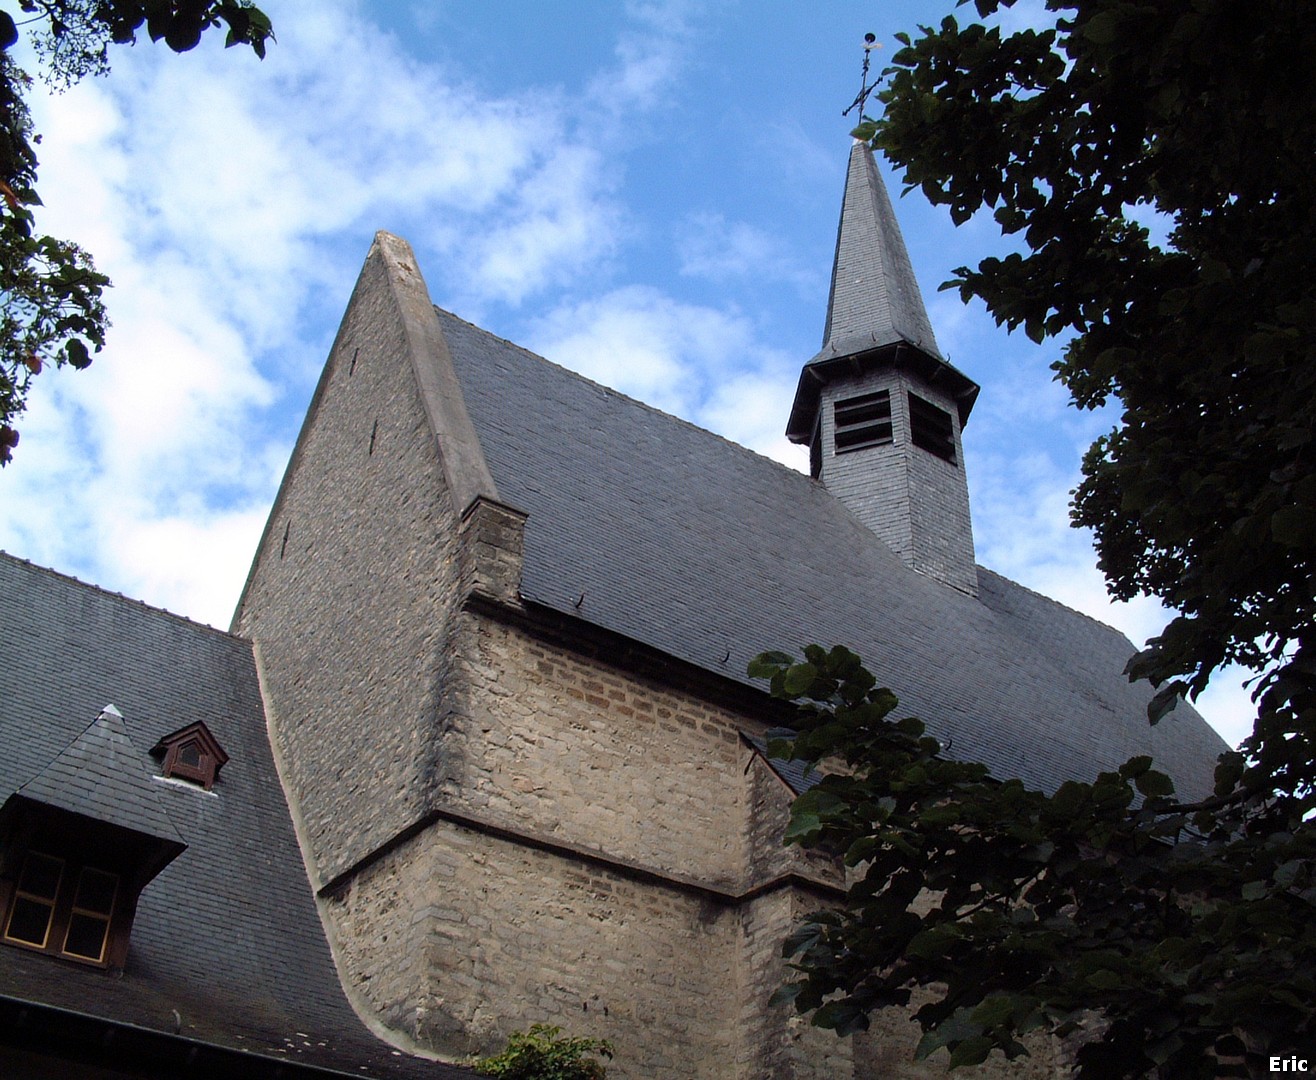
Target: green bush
(543, 1054)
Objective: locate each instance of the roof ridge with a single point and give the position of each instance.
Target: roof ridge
(120, 596)
(628, 398)
(1056, 603)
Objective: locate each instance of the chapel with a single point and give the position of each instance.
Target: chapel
(503, 616)
(480, 749)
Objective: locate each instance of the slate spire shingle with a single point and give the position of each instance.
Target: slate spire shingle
(879, 407)
(875, 299)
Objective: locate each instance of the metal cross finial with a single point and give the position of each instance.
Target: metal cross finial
(865, 87)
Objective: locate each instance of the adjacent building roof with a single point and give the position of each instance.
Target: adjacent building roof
(227, 949)
(101, 775)
(655, 529)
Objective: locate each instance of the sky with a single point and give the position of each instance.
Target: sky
(646, 192)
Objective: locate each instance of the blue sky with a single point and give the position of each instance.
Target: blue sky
(646, 192)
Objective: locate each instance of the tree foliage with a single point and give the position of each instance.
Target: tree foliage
(1199, 116)
(544, 1053)
(1152, 162)
(1175, 940)
(51, 306)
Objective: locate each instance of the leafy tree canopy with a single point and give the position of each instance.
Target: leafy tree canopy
(544, 1053)
(51, 307)
(1169, 939)
(1153, 161)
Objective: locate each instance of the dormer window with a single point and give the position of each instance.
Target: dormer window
(79, 842)
(62, 907)
(191, 754)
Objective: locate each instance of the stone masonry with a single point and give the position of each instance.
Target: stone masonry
(509, 820)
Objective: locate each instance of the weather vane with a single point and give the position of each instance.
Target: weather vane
(865, 87)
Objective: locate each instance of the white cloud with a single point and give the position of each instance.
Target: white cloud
(649, 56)
(750, 408)
(711, 247)
(220, 194)
(1023, 15)
(559, 223)
(643, 343)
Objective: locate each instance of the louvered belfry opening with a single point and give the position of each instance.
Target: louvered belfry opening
(931, 428)
(863, 421)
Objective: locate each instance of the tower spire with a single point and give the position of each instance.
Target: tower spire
(875, 298)
(879, 407)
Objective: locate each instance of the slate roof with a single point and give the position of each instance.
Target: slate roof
(794, 773)
(711, 553)
(228, 934)
(101, 775)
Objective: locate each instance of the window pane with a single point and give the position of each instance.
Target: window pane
(30, 921)
(190, 754)
(96, 891)
(86, 936)
(41, 875)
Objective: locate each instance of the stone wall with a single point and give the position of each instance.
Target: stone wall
(504, 825)
(348, 597)
(505, 935)
(565, 748)
(586, 863)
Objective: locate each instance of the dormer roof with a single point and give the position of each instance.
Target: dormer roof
(100, 775)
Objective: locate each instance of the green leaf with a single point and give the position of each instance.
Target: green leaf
(1105, 980)
(77, 354)
(1294, 526)
(973, 1051)
(1154, 785)
(994, 1011)
(803, 826)
(1165, 700)
(765, 665)
(1103, 28)
(1136, 766)
(1228, 772)
(800, 679)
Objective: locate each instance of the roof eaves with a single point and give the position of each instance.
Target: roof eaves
(70, 1035)
(855, 356)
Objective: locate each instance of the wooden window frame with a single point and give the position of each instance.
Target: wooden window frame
(210, 756)
(64, 908)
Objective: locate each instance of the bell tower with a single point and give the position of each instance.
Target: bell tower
(879, 407)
